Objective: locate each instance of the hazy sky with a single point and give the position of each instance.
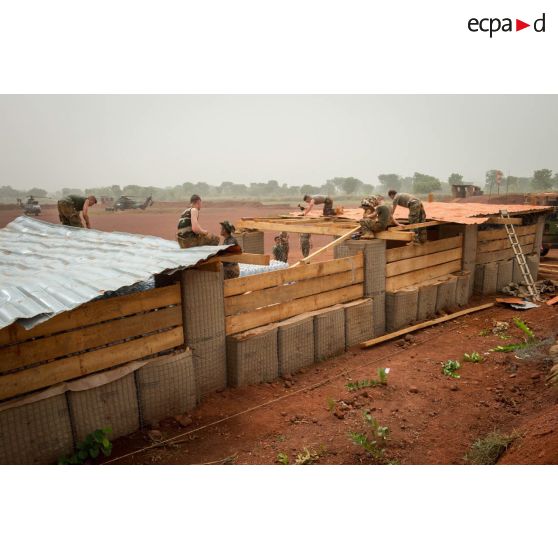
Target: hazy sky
(97, 140)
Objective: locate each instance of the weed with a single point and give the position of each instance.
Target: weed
(487, 450)
(282, 459)
(90, 448)
(524, 328)
(374, 441)
(450, 367)
(381, 381)
(307, 457)
(473, 357)
(509, 348)
(484, 332)
(331, 403)
(529, 340)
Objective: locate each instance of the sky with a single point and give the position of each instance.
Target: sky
(81, 141)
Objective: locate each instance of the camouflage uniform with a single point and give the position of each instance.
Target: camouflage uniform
(416, 213)
(370, 224)
(285, 243)
(187, 238)
(328, 204)
(279, 253)
(230, 269)
(68, 210)
(305, 244)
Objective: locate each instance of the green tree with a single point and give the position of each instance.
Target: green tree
(455, 178)
(490, 180)
(424, 183)
(542, 180)
(351, 184)
(390, 181)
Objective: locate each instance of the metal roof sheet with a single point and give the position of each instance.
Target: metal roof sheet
(46, 269)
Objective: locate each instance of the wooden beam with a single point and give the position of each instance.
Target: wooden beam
(333, 243)
(300, 289)
(505, 220)
(495, 234)
(410, 329)
(47, 348)
(281, 276)
(415, 226)
(403, 236)
(65, 369)
(95, 312)
(421, 262)
(408, 279)
(270, 314)
(329, 230)
(486, 257)
(430, 247)
(494, 245)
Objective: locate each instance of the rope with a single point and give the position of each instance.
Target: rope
(272, 401)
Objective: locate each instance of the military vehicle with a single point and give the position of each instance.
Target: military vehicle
(127, 202)
(30, 207)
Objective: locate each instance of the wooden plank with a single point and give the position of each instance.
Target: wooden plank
(552, 301)
(403, 236)
(422, 325)
(47, 348)
(95, 312)
(407, 279)
(486, 257)
(504, 220)
(276, 278)
(327, 246)
(504, 243)
(329, 230)
(65, 369)
(278, 312)
(416, 226)
(430, 247)
(412, 264)
(496, 234)
(259, 299)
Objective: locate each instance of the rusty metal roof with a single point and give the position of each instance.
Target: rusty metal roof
(46, 269)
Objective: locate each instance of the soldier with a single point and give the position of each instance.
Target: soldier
(319, 200)
(279, 250)
(305, 244)
(416, 212)
(231, 269)
(190, 233)
(376, 217)
(69, 208)
(285, 242)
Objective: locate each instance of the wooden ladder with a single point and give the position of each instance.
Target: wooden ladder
(519, 256)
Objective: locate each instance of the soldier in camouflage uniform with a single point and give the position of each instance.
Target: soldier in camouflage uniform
(230, 269)
(319, 200)
(285, 242)
(376, 217)
(305, 244)
(69, 208)
(279, 250)
(416, 212)
(190, 232)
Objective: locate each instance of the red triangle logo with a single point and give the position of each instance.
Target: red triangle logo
(519, 25)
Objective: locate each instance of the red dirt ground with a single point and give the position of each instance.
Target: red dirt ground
(432, 419)
(161, 220)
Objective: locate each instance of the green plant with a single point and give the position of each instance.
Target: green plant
(487, 450)
(525, 329)
(508, 348)
(282, 459)
(307, 457)
(529, 340)
(90, 448)
(373, 442)
(331, 404)
(484, 332)
(473, 357)
(381, 381)
(450, 367)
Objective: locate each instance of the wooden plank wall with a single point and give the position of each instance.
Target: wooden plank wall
(409, 265)
(494, 245)
(259, 300)
(94, 337)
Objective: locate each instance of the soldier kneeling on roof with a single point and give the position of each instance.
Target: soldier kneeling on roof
(319, 200)
(190, 232)
(231, 269)
(376, 217)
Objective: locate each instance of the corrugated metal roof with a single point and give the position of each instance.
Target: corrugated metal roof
(46, 269)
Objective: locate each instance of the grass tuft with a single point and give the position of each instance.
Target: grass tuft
(487, 450)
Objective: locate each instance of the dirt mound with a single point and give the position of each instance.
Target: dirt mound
(538, 444)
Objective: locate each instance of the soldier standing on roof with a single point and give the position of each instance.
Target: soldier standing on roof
(279, 250)
(319, 200)
(190, 232)
(416, 212)
(231, 269)
(305, 244)
(69, 208)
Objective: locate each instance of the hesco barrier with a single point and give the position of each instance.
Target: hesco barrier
(359, 322)
(295, 344)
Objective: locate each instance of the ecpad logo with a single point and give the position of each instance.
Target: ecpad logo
(493, 25)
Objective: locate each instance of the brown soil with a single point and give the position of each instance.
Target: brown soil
(432, 419)
(161, 220)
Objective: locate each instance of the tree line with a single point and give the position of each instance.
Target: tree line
(542, 179)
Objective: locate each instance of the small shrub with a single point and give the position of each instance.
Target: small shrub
(282, 459)
(90, 448)
(487, 450)
(373, 441)
(381, 381)
(450, 367)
